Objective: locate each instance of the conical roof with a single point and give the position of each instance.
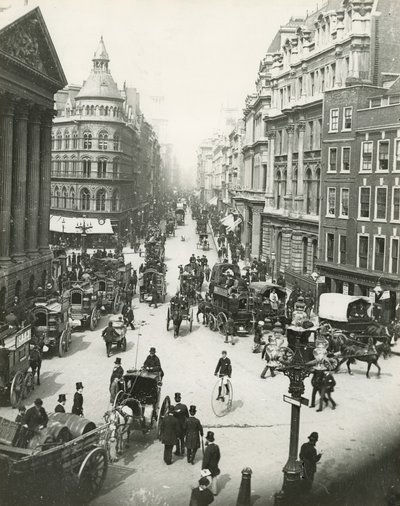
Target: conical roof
(101, 52)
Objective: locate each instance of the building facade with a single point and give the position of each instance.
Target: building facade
(105, 158)
(30, 75)
(360, 219)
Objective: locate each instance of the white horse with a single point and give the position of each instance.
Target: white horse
(120, 419)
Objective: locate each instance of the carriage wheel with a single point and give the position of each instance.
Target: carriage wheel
(191, 320)
(123, 344)
(212, 322)
(63, 344)
(163, 412)
(28, 384)
(92, 473)
(17, 389)
(222, 320)
(168, 318)
(222, 406)
(94, 318)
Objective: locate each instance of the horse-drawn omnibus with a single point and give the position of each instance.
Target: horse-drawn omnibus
(86, 302)
(180, 216)
(16, 380)
(270, 301)
(151, 278)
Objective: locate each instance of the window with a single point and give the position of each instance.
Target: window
(331, 206)
(394, 99)
(345, 160)
(344, 202)
(396, 204)
(394, 256)
(380, 203)
(115, 201)
(115, 169)
(312, 84)
(102, 169)
(347, 118)
(85, 199)
(299, 87)
(333, 74)
(332, 165)
(311, 134)
(383, 155)
(101, 200)
(396, 160)
(375, 102)
(363, 245)
(64, 198)
(103, 138)
(366, 156)
(72, 198)
(342, 249)
(87, 140)
(364, 202)
(330, 244)
(379, 260)
(59, 140)
(67, 140)
(116, 142)
(87, 166)
(308, 182)
(334, 120)
(322, 79)
(74, 140)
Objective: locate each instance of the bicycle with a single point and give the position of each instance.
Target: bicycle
(221, 396)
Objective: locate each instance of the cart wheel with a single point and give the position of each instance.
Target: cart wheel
(223, 405)
(17, 389)
(63, 344)
(212, 322)
(191, 321)
(123, 344)
(168, 318)
(92, 473)
(163, 412)
(221, 323)
(28, 384)
(69, 338)
(94, 318)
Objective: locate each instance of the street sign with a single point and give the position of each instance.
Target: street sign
(296, 402)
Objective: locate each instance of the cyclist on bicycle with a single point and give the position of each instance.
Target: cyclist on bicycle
(224, 371)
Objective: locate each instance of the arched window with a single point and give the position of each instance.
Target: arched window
(115, 169)
(72, 198)
(53, 142)
(106, 111)
(115, 201)
(87, 110)
(64, 197)
(278, 196)
(75, 140)
(318, 190)
(101, 200)
(295, 179)
(102, 168)
(92, 110)
(67, 140)
(116, 142)
(87, 167)
(73, 166)
(57, 196)
(85, 199)
(314, 254)
(18, 286)
(113, 111)
(103, 138)
(102, 110)
(65, 164)
(308, 192)
(59, 140)
(305, 254)
(87, 140)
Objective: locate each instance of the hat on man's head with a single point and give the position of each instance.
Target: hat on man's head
(204, 481)
(62, 398)
(210, 436)
(117, 361)
(152, 350)
(79, 385)
(38, 402)
(313, 435)
(192, 410)
(177, 396)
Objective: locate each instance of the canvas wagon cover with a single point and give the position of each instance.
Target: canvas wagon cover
(334, 306)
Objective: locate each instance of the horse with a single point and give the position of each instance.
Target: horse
(370, 355)
(35, 362)
(120, 419)
(177, 320)
(204, 309)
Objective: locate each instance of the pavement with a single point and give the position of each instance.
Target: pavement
(254, 434)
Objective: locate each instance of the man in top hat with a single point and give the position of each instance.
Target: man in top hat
(115, 387)
(60, 404)
(109, 334)
(181, 414)
(169, 434)
(193, 431)
(224, 371)
(211, 458)
(309, 457)
(129, 318)
(201, 495)
(35, 419)
(152, 363)
(117, 371)
(77, 407)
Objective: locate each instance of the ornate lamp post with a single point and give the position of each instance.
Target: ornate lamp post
(293, 365)
(83, 228)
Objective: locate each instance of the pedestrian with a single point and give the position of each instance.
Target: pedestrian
(118, 370)
(267, 355)
(141, 285)
(21, 414)
(201, 495)
(35, 419)
(193, 432)
(181, 414)
(109, 334)
(327, 387)
(316, 383)
(309, 458)
(207, 272)
(230, 330)
(211, 458)
(134, 280)
(152, 363)
(115, 387)
(77, 407)
(129, 318)
(224, 371)
(169, 434)
(60, 404)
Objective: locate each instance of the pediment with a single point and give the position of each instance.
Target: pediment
(25, 41)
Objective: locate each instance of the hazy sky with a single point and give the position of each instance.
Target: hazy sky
(199, 54)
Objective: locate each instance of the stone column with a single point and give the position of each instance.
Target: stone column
(269, 188)
(296, 260)
(286, 247)
(20, 154)
(289, 182)
(300, 168)
(45, 176)
(6, 154)
(33, 183)
(256, 232)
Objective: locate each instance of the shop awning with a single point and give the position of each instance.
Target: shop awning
(234, 225)
(228, 221)
(213, 201)
(68, 224)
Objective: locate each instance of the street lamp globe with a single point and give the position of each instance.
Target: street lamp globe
(378, 288)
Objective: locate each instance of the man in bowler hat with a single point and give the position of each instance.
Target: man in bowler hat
(309, 457)
(193, 432)
(77, 407)
(211, 458)
(181, 413)
(169, 434)
(60, 404)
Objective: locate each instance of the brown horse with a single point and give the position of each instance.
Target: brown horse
(370, 355)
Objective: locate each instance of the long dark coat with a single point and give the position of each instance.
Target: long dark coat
(194, 430)
(77, 407)
(34, 418)
(181, 413)
(211, 459)
(59, 408)
(169, 430)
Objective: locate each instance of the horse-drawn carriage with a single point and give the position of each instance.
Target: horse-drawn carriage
(16, 380)
(189, 284)
(86, 303)
(153, 278)
(203, 243)
(180, 216)
(155, 250)
(270, 301)
(138, 403)
(178, 311)
(120, 328)
(72, 451)
(112, 279)
(51, 328)
(170, 226)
